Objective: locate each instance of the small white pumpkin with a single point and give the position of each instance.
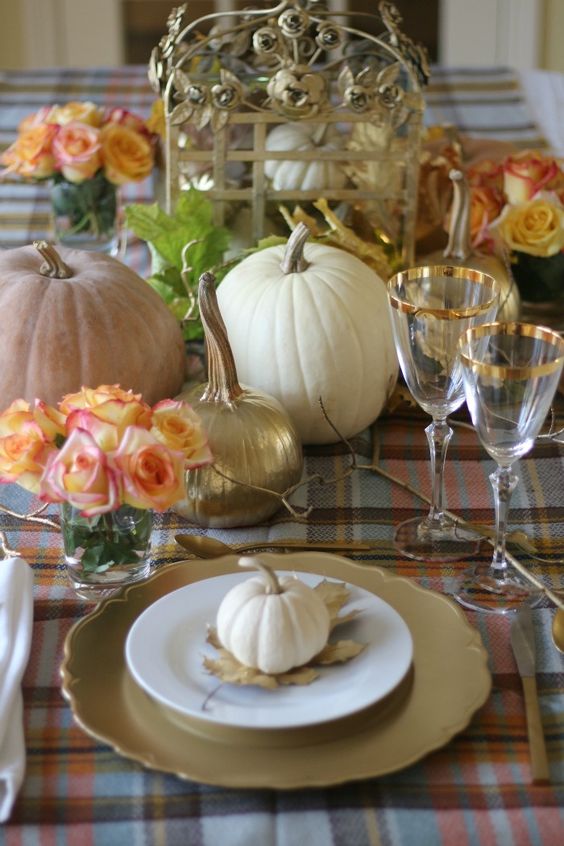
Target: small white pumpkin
(272, 624)
(287, 175)
(312, 322)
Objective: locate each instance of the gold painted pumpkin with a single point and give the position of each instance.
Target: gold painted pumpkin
(459, 253)
(73, 318)
(250, 435)
(272, 624)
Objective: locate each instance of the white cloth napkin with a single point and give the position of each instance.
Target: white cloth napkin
(16, 618)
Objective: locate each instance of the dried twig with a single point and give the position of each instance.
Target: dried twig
(316, 477)
(32, 517)
(459, 521)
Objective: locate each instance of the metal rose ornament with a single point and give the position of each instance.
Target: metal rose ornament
(297, 92)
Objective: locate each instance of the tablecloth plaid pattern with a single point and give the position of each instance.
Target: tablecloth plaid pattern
(476, 790)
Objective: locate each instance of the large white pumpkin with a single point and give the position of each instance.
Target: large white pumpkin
(319, 332)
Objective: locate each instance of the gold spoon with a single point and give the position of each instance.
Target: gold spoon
(558, 630)
(206, 547)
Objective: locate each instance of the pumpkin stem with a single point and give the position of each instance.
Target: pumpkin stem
(294, 261)
(223, 385)
(53, 266)
(318, 134)
(272, 583)
(458, 246)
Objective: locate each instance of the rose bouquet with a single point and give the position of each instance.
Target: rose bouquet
(86, 152)
(109, 459)
(517, 207)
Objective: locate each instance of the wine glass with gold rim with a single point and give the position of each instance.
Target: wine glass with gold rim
(431, 307)
(511, 372)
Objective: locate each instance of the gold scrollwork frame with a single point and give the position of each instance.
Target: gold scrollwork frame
(294, 63)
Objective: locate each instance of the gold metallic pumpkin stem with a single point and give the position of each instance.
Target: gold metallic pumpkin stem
(53, 266)
(294, 261)
(223, 385)
(273, 586)
(458, 246)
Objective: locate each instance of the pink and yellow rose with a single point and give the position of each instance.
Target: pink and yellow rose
(102, 448)
(77, 151)
(77, 140)
(76, 111)
(152, 474)
(108, 421)
(486, 174)
(81, 474)
(25, 445)
(527, 173)
(535, 227)
(95, 397)
(35, 118)
(178, 426)
(485, 206)
(127, 155)
(51, 421)
(517, 204)
(124, 117)
(31, 155)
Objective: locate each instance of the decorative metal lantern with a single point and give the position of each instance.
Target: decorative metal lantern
(288, 106)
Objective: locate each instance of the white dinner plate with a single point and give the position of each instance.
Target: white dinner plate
(167, 642)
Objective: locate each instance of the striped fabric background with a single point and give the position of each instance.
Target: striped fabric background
(477, 789)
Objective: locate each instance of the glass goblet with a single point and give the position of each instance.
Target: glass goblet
(511, 372)
(431, 307)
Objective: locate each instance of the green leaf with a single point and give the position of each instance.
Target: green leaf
(168, 281)
(191, 220)
(93, 557)
(167, 236)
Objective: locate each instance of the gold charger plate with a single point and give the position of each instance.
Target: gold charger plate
(450, 680)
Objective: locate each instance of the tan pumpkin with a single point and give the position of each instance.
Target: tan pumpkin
(73, 318)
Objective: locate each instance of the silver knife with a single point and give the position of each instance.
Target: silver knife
(523, 645)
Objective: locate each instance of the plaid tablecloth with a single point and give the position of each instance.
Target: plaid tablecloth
(475, 790)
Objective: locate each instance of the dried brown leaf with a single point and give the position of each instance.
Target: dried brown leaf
(339, 652)
(228, 669)
(300, 216)
(298, 676)
(334, 595)
(400, 398)
(344, 618)
(212, 638)
(346, 239)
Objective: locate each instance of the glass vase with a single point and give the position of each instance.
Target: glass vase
(85, 214)
(108, 551)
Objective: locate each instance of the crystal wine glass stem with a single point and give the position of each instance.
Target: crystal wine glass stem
(503, 484)
(438, 434)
